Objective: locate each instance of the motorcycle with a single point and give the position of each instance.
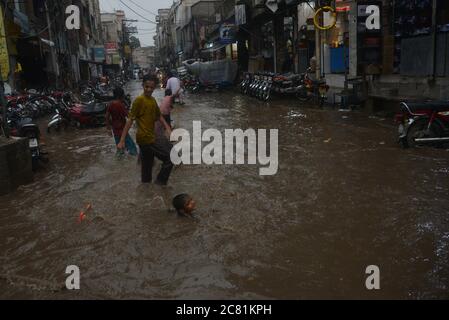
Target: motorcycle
(88, 114)
(191, 84)
(286, 84)
(265, 93)
(312, 90)
(253, 88)
(245, 83)
(61, 119)
(423, 123)
(25, 128)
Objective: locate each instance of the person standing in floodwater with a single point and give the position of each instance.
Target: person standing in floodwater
(174, 84)
(146, 113)
(116, 114)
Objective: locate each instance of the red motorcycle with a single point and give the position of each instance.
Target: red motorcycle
(423, 123)
(310, 89)
(90, 114)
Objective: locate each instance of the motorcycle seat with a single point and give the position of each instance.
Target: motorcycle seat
(438, 106)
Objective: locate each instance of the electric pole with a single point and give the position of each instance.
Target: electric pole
(125, 38)
(52, 44)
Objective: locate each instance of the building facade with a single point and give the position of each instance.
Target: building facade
(42, 52)
(406, 56)
(144, 57)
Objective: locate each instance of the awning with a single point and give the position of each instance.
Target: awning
(216, 47)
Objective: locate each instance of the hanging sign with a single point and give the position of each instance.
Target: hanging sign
(4, 55)
(227, 33)
(240, 14)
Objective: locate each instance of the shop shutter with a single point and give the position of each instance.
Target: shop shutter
(416, 56)
(442, 63)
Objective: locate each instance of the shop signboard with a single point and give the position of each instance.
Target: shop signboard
(227, 33)
(4, 56)
(111, 47)
(116, 59)
(240, 14)
(98, 54)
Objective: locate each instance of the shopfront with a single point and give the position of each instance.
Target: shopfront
(306, 41)
(275, 45)
(414, 32)
(415, 50)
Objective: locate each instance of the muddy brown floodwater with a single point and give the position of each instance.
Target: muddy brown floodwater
(345, 197)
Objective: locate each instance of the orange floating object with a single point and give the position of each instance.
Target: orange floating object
(82, 215)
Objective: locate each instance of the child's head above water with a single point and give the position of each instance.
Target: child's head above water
(184, 204)
(168, 93)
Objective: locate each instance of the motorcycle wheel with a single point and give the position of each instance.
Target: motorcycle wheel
(266, 95)
(34, 164)
(322, 100)
(419, 130)
(302, 96)
(403, 143)
(56, 128)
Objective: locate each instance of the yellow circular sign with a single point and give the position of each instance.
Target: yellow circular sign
(317, 15)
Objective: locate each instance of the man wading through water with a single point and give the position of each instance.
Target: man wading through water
(146, 113)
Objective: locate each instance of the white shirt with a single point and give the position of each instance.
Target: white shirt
(174, 84)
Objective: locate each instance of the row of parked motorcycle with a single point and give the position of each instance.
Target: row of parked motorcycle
(263, 85)
(419, 123)
(22, 112)
(192, 84)
(64, 108)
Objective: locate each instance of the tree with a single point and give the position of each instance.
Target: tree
(134, 42)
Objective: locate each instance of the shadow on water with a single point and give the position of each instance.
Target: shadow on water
(345, 197)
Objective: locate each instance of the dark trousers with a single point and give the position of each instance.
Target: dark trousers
(167, 118)
(160, 149)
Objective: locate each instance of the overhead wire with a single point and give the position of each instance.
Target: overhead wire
(138, 14)
(137, 5)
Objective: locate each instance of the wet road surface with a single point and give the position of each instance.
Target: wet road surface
(345, 197)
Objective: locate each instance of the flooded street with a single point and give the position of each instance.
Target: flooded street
(346, 196)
